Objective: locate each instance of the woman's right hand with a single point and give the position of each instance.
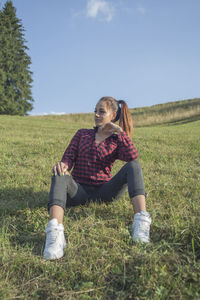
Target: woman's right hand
(110, 128)
(60, 169)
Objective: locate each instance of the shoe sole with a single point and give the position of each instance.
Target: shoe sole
(48, 256)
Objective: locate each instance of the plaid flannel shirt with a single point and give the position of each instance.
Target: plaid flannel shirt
(92, 162)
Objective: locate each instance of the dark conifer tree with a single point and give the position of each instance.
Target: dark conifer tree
(15, 74)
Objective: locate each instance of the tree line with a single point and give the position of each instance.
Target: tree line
(15, 74)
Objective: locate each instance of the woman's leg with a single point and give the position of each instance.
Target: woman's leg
(64, 192)
(63, 188)
(139, 203)
(57, 212)
(130, 175)
(58, 196)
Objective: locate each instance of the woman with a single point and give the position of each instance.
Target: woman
(92, 153)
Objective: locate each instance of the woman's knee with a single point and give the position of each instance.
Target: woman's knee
(134, 164)
(133, 167)
(61, 179)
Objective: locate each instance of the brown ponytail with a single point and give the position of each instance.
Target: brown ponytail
(123, 114)
(125, 119)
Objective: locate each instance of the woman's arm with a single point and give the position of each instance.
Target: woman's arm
(71, 153)
(69, 157)
(126, 149)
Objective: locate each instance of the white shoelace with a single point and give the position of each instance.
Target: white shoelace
(52, 236)
(140, 227)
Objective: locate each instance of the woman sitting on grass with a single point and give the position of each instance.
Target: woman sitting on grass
(92, 153)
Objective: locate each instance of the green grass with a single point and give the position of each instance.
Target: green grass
(101, 261)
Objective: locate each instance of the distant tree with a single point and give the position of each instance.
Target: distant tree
(15, 75)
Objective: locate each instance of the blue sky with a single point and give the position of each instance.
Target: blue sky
(143, 51)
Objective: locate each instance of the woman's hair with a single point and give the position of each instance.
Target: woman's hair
(123, 113)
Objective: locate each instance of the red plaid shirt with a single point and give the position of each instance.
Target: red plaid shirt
(93, 163)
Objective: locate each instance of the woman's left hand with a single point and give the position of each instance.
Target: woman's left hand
(110, 128)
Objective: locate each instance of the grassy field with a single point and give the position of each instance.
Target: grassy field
(101, 261)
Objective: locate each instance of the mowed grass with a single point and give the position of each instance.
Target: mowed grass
(101, 261)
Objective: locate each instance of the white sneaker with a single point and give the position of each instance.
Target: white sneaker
(141, 227)
(55, 240)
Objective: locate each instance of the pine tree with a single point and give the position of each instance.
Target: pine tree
(15, 74)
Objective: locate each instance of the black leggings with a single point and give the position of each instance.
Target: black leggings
(66, 192)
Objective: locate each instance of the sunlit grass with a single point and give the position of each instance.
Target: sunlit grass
(101, 260)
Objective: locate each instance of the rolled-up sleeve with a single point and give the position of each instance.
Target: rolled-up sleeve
(126, 150)
(71, 153)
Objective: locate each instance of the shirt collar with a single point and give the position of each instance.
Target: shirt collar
(95, 128)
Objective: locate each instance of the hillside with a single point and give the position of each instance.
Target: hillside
(171, 112)
(101, 261)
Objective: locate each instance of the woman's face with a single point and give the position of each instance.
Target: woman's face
(102, 114)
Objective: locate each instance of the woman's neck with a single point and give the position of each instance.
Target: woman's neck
(101, 136)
